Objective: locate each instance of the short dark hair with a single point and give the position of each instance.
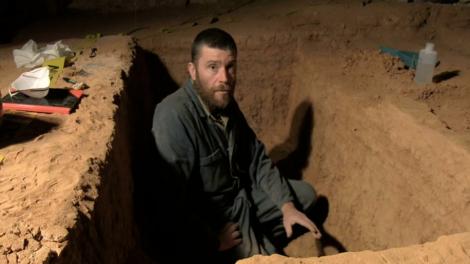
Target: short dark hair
(214, 38)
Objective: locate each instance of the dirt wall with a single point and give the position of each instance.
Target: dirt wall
(67, 188)
(388, 158)
(391, 172)
(107, 6)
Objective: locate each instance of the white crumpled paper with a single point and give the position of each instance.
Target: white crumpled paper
(34, 83)
(29, 56)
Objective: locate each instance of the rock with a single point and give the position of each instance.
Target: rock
(33, 245)
(18, 245)
(12, 258)
(43, 255)
(54, 234)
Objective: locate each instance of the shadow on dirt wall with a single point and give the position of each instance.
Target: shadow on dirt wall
(291, 162)
(149, 83)
(164, 233)
(109, 234)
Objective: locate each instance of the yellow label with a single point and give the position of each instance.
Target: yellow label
(56, 66)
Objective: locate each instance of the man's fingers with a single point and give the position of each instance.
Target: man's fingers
(293, 216)
(310, 226)
(232, 227)
(305, 222)
(288, 228)
(237, 241)
(236, 234)
(229, 236)
(316, 234)
(313, 228)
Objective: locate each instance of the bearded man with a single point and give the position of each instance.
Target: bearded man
(225, 185)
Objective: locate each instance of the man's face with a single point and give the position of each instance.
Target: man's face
(214, 76)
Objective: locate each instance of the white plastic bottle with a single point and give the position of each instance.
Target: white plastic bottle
(426, 63)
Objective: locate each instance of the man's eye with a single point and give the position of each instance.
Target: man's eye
(213, 67)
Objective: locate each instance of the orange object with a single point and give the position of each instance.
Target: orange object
(61, 101)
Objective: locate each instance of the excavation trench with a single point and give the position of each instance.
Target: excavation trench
(389, 159)
(387, 172)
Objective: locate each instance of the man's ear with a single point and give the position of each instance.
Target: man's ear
(192, 70)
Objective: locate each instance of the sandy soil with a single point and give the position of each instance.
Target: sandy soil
(53, 164)
(379, 148)
(449, 249)
(390, 158)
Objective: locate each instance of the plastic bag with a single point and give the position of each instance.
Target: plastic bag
(29, 56)
(34, 83)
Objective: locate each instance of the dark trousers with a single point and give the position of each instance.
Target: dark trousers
(260, 221)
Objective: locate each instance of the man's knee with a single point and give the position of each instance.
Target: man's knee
(305, 194)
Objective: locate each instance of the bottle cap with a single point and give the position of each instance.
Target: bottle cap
(429, 47)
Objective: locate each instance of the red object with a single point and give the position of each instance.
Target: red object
(61, 101)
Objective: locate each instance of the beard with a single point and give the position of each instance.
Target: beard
(216, 104)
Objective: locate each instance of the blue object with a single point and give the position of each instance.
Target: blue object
(409, 58)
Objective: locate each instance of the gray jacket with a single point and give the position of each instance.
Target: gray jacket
(211, 167)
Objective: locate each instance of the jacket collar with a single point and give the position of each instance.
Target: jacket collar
(188, 87)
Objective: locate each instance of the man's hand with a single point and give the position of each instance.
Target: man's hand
(292, 216)
(229, 236)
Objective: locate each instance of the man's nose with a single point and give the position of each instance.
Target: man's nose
(223, 75)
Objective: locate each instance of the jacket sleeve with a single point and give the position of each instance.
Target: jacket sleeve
(266, 175)
(176, 145)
